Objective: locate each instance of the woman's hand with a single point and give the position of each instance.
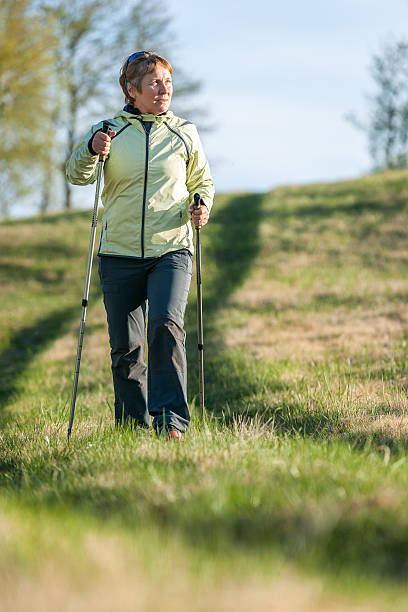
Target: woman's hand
(199, 216)
(101, 142)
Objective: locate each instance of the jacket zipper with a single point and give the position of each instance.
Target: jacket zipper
(147, 132)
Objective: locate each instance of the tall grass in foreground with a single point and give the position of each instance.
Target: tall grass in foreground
(296, 488)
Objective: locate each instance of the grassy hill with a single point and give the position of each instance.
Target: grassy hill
(296, 490)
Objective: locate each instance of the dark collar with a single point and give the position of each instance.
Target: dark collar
(129, 108)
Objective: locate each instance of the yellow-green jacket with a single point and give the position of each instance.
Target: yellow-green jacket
(150, 178)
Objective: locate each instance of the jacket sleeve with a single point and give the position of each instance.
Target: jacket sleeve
(199, 178)
(81, 168)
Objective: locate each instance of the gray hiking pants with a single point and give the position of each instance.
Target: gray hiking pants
(155, 289)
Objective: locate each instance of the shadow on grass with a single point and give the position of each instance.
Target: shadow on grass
(17, 273)
(231, 243)
(48, 250)
(26, 343)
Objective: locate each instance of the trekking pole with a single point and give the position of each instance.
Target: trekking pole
(105, 130)
(197, 203)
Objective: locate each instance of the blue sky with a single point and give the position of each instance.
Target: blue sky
(279, 78)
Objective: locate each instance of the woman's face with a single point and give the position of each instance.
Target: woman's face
(156, 93)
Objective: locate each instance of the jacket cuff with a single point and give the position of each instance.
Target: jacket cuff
(90, 148)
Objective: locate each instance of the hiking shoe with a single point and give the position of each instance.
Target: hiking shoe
(174, 434)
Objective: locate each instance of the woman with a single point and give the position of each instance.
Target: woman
(155, 163)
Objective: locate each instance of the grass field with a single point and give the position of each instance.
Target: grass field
(294, 495)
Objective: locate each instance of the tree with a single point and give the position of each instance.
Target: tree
(387, 125)
(81, 60)
(59, 69)
(94, 38)
(25, 67)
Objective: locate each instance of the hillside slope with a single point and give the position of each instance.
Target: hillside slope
(299, 478)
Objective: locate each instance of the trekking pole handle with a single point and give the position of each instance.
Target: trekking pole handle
(105, 130)
(197, 204)
(197, 200)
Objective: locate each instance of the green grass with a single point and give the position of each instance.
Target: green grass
(295, 489)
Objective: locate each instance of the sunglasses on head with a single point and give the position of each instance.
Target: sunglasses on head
(131, 58)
